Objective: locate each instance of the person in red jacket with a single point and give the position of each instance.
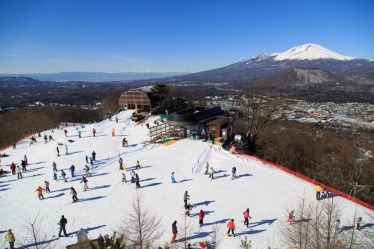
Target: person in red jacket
(40, 190)
(13, 168)
(231, 226)
(201, 218)
(246, 216)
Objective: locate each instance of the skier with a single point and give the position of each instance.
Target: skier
(25, 159)
(47, 186)
(187, 207)
(85, 186)
(206, 168)
(318, 189)
(50, 138)
(120, 163)
(233, 173)
(137, 181)
(19, 172)
(55, 176)
(87, 170)
(124, 177)
(66, 149)
(73, 194)
(54, 167)
(132, 173)
(113, 132)
(13, 168)
(94, 132)
(291, 218)
(79, 134)
(172, 178)
(186, 197)
(174, 230)
(231, 226)
(201, 218)
(246, 216)
(23, 164)
(58, 151)
(62, 224)
(87, 159)
(45, 139)
(72, 170)
(137, 164)
(40, 190)
(63, 175)
(14, 145)
(66, 133)
(358, 223)
(211, 175)
(93, 155)
(9, 237)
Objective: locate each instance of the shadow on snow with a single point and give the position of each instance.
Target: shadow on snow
(206, 203)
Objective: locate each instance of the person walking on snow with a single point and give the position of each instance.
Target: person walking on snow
(120, 161)
(174, 230)
(66, 133)
(25, 159)
(46, 183)
(201, 218)
(40, 190)
(87, 159)
(19, 172)
(94, 132)
(55, 176)
(137, 166)
(206, 168)
(13, 168)
(85, 186)
(63, 175)
(58, 151)
(211, 175)
(137, 181)
(87, 170)
(113, 132)
(66, 149)
(79, 134)
(54, 167)
(72, 170)
(45, 138)
(172, 178)
(62, 223)
(93, 155)
(246, 216)
(291, 217)
(358, 223)
(231, 227)
(74, 194)
(9, 237)
(186, 197)
(233, 173)
(124, 177)
(23, 164)
(318, 190)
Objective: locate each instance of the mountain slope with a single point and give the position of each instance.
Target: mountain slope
(266, 191)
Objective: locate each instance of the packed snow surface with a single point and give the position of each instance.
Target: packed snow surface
(310, 52)
(268, 192)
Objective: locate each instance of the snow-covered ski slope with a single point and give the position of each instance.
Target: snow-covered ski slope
(266, 191)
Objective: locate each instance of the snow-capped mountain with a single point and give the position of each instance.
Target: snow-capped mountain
(310, 52)
(310, 56)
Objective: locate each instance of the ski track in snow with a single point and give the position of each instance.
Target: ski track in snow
(266, 191)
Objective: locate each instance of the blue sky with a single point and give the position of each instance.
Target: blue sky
(177, 35)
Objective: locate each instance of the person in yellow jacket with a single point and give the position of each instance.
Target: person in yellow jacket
(318, 190)
(9, 237)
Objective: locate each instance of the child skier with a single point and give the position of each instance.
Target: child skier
(40, 190)
(19, 172)
(233, 173)
(94, 132)
(291, 217)
(87, 170)
(206, 168)
(120, 163)
(72, 170)
(54, 167)
(137, 181)
(124, 177)
(186, 197)
(113, 132)
(231, 227)
(174, 230)
(55, 176)
(66, 149)
(211, 175)
(246, 216)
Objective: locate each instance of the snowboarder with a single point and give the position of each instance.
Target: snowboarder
(9, 237)
(94, 132)
(201, 218)
(358, 223)
(72, 170)
(63, 175)
(211, 175)
(85, 186)
(174, 230)
(246, 216)
(58, 151)
(93, 155)
(13, 168)
(172, 178)
(233, 171)
(66, 149)
(47, 186)
(318, 189)
(19, 172)
(186, 197)
(231, 226)
(137, 164)
(187, 207)
(54, 167)
(137, 181)
(62, 224)
(113, 132)
(40, 190)
(206, 168)
(120, 163)
(73, 194)
(290, 218)
(87, 170)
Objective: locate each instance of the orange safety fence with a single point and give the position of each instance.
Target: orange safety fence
(305, 178)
